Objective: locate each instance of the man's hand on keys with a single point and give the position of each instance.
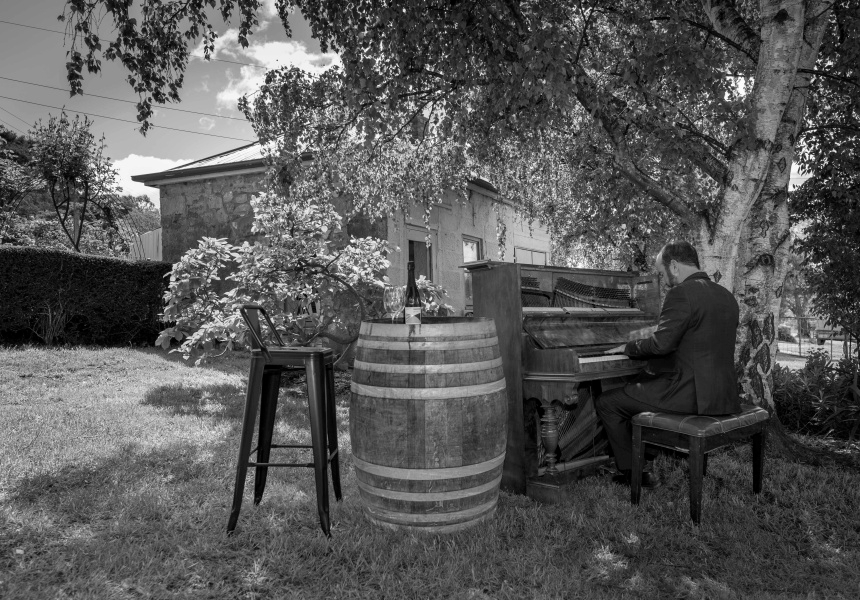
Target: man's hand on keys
(616, 350)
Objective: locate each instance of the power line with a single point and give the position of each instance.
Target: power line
(16, 116)
(127, 121)
(63, 33)
(160, 106)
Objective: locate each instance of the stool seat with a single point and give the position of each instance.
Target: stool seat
(698, 435)
(702, 425)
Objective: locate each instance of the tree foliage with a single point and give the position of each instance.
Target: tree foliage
(17, 179)
(611, 120)
(78, 176)
(308, 283)
(828, 206)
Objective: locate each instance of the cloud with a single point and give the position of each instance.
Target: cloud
(268, 54)
(134, 164)
(206, 123)
(270, 11)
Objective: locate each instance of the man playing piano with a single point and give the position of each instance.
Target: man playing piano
(690, 357)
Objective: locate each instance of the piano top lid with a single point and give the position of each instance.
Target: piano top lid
(489, 264)
(477, 265)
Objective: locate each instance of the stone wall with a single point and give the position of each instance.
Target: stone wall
(217, 207)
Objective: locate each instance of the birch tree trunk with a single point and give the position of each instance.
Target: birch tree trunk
(751, 242)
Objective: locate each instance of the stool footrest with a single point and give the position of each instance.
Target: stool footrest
(269, 464)
(331, 456)
(291, 446)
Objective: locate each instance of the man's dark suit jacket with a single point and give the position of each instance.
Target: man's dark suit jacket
(691, 353)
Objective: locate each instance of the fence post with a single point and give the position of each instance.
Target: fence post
(799, 336)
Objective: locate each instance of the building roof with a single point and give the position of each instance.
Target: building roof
(248, 158)
(244, 158)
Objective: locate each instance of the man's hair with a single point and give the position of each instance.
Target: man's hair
(680, 251)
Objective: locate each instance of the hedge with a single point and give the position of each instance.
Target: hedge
(64, 297)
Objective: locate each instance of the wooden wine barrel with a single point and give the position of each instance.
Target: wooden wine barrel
(428, 422)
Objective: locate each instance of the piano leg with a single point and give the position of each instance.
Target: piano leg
(549, 436)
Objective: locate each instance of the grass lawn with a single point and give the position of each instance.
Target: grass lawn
(116, 476)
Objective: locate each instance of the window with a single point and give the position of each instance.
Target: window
(471, 253)
(422, 255)
(529, 257)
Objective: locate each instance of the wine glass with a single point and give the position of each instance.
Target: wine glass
(394, 299)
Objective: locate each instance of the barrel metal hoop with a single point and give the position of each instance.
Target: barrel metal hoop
(410, 519)
(440, 393)
(484, 365)
(439, 346)
(431, 496)
(428, 474)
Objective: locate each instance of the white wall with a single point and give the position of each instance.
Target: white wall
(450, 224)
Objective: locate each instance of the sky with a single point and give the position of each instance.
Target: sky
(33, 65)
(34, 58)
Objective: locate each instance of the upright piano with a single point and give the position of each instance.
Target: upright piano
(554, 324)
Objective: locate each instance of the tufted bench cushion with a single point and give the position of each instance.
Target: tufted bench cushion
(702, 425)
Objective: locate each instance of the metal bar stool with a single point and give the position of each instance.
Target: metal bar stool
(267, 364)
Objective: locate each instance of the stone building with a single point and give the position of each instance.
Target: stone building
(211, 198)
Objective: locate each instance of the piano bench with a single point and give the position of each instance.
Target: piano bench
(698, 435)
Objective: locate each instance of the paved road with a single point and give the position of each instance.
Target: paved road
(833, 347)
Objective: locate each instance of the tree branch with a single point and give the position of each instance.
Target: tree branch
(612, 116)
(657, 192)
(730, 26)
(833, 76)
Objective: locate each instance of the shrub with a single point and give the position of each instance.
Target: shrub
(63, 297)
(821, 398)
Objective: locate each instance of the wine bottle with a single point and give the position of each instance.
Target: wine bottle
(412, 312)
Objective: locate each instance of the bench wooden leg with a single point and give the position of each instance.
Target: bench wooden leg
(696, 462)
(758, 441)
(638, 464)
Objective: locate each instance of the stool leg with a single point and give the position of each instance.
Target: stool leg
(316, 404)
(268, 407)
(705, 465)
(252, 399)
(758, 441)
(331, 425)
(696, 462)
(636, 467)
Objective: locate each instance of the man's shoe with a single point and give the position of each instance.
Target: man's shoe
(649, 480)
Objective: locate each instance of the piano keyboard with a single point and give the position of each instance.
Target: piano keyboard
(585, 360)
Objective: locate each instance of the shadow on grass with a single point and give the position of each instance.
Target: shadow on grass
(221, 401)
(227, 401)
